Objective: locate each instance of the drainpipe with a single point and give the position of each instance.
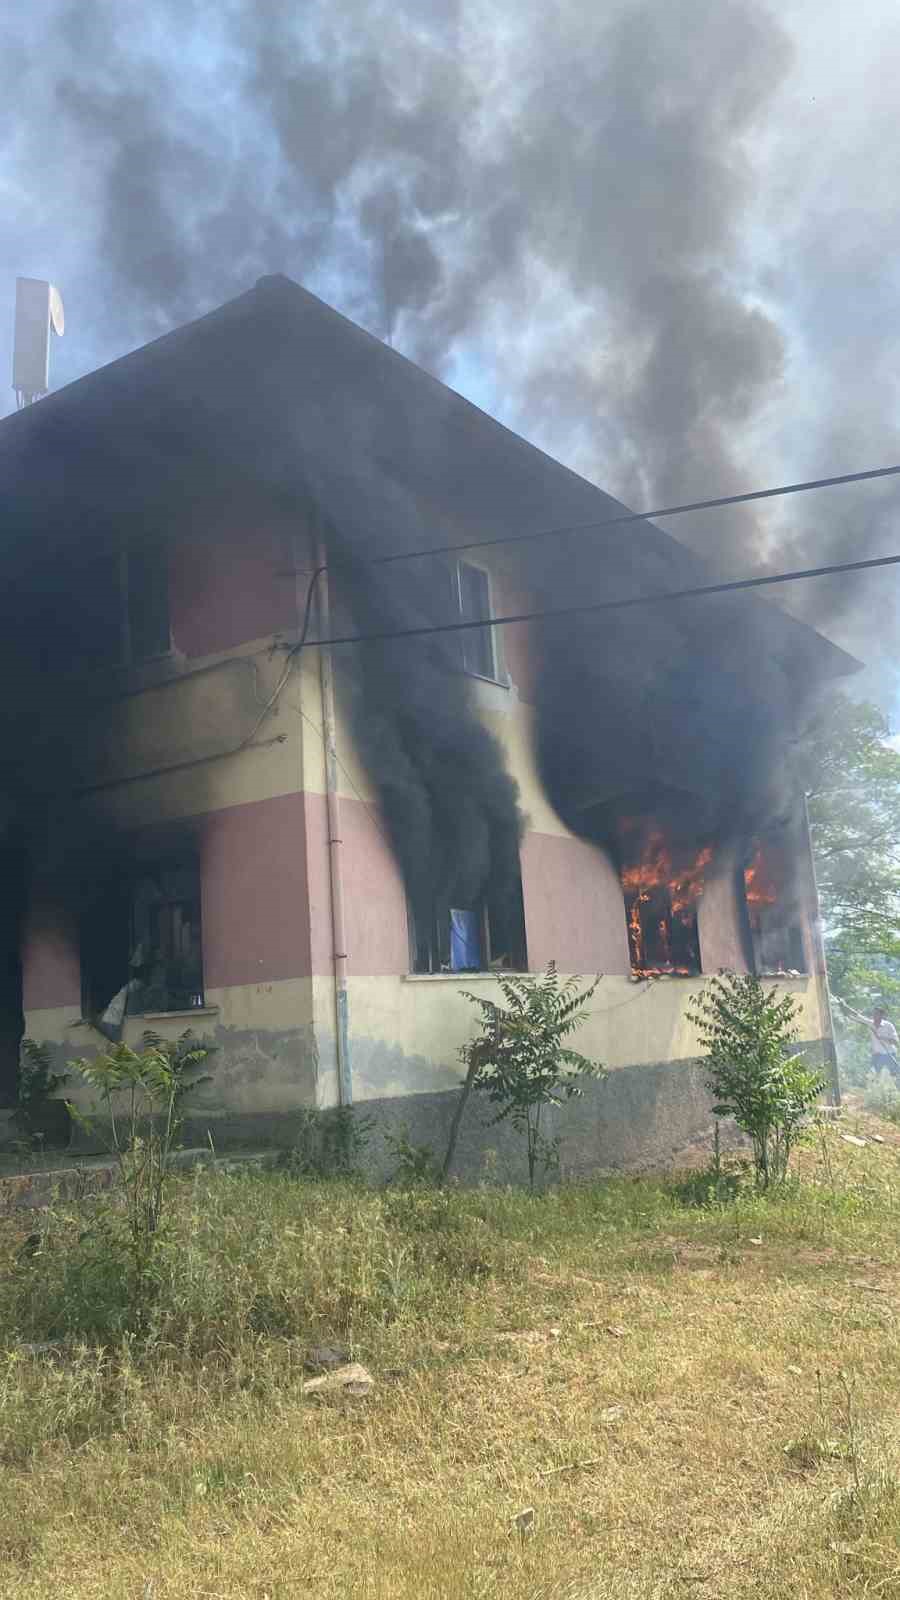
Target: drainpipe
(821, 965)
(335, 858)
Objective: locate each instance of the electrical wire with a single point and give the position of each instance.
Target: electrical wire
(294, 650)
(596, 606)
(626, 517)
(320, 731)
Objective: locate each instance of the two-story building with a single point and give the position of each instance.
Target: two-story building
(307, 853)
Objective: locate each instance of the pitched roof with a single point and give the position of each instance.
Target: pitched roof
(277, 396)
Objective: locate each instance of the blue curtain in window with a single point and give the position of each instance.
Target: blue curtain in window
(465, 941)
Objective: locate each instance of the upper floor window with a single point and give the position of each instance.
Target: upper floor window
(144, 602)
(470, 597)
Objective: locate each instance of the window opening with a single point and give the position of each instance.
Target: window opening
(661, 898)
(776, 935)
(475, 606)
(107, 605)
(141, 943)
(470, 601)
(486, 934)
(165, 939)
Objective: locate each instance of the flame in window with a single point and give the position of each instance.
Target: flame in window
(661, 901)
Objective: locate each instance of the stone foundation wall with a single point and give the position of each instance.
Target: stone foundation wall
(640, 1118)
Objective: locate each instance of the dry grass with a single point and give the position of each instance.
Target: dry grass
(673, 1348)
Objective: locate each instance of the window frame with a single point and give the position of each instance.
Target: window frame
(482, 909)
(158, 868)
(759, 938)
(489, 631)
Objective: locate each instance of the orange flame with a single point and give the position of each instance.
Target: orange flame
(758, 884)
(635, 929)
(653, 877)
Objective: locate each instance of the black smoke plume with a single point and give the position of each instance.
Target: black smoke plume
(572, 189)
(569, 187)
(451, 808)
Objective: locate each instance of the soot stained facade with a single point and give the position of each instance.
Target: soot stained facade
(307, 855)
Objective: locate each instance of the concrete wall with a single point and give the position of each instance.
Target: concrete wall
(167, 754)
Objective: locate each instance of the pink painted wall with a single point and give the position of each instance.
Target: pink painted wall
(375, 902)
(254, 893)
(574, 912)
(718, 923)
(51, 964)
(228, 589)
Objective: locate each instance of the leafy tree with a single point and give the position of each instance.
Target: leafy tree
(520, 1059)
(852, 779)
(746, 1031)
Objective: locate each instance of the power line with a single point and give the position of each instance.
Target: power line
(639, 516)
(604, 605)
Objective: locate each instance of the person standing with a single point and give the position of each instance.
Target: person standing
(884, 1042)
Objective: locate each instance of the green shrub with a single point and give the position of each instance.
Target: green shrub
(329, 1143)
(38, 1084)
(520, 1059)
(142, 1093)
(416, 1163)
(747, 1033)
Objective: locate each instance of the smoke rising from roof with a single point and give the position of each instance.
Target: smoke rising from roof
(579, 191)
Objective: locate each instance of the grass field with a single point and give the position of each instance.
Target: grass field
(697, 1401)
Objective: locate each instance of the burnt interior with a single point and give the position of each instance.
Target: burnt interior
(140, 925)
(659, 840)
(660, 900)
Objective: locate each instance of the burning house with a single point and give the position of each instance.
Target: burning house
(209, 820)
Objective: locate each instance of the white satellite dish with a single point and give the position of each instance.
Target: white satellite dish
(57, 314)
(39, 308)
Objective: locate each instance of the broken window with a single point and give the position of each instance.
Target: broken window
(776, 934)
(470, 601)
(141, 942)
(484, 934)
